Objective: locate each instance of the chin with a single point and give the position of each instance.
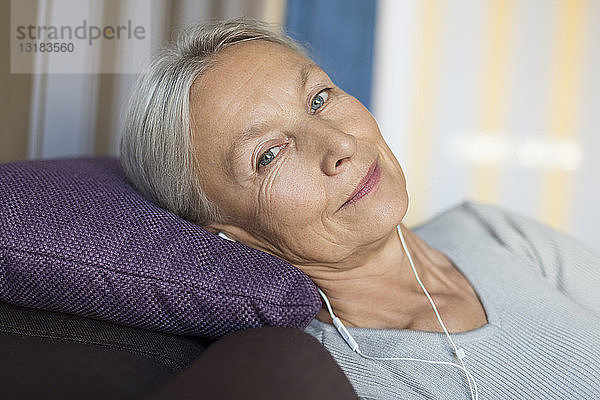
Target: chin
(383, 216)
(390, 213)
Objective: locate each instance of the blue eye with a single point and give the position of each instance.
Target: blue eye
(318, 101)
(269, 156)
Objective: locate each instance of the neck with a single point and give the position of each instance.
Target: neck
(378, 289)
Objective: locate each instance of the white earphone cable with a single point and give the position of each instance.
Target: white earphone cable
(459, 352)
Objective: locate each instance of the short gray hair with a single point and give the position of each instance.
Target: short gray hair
(156, 146)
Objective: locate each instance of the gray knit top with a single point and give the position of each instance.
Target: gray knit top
(541, 292)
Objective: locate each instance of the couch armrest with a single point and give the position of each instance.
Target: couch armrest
(262, 363)
(49, 355)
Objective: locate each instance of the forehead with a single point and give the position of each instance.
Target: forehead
(241, 72)
(243, 59)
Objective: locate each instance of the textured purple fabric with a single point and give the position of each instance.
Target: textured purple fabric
(76, 237)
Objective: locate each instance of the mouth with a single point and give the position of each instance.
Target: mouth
(366, 184)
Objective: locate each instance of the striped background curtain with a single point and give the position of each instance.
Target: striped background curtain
(59, 115)
(489, 100)
(495, 101)
(340, 37)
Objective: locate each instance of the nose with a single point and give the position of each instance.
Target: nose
(337, 148)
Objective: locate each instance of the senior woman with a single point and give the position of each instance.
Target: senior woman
(234, 128)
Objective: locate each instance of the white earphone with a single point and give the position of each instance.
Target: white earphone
(224, 236)
(458, 352)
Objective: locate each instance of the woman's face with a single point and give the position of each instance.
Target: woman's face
(297, 167)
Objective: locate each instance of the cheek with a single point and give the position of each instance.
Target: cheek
(359, 120)
(295, 197)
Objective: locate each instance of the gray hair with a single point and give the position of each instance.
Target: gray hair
(156, 146)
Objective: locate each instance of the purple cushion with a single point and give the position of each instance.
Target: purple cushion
(76, 237)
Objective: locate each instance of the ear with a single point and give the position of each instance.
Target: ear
(211, 229)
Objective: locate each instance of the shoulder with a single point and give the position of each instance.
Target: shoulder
(524, 234)
(483, 222)
(486, 226)
(548, 249)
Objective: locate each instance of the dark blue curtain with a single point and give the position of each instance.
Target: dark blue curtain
(339, 35)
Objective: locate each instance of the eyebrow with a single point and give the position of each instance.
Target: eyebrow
(305, 71)
(249, 134)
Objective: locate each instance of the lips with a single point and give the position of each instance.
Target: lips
(366, 184)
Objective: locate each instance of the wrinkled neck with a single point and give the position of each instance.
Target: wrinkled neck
(378, 288)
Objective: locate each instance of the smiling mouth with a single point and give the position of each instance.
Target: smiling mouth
(366, 185)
